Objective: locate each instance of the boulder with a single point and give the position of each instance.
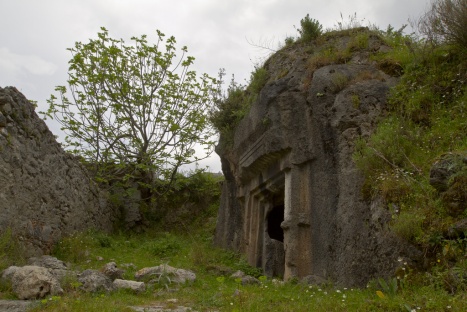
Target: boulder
(110, 269)
(132, 285)
(8, 273)
(33, 282)
(58, 268)
(179, 276)
(95, 281)
(238, 274)
(48, 262)
(250, 280)
(17, 305)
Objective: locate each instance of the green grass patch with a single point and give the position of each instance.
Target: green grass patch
(214, 289)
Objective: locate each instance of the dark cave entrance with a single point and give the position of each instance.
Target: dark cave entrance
(275, 218)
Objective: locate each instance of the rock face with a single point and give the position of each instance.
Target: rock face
(292, 199)
(45, 193)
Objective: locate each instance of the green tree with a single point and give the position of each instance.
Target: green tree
(136, 109)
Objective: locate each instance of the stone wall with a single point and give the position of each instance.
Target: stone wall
(45, 193)
(290, 169)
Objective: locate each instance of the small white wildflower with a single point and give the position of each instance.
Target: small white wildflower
(344, 296)
(319, 289)
(338, 291)
(325, 292)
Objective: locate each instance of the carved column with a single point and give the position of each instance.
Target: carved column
(296, 225)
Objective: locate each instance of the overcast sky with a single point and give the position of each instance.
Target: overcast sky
(34, 34)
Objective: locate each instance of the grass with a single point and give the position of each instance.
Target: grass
(215, 290)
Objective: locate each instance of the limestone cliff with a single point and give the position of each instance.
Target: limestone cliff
(45, 193)
(292, 200)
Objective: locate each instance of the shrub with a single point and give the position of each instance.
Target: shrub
(359, 42)
(408, 225)
(289, 41)
(310, 29)
(445, 21)
(258, 79)
(236, 104)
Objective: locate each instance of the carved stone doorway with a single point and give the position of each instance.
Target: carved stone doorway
(274, 253)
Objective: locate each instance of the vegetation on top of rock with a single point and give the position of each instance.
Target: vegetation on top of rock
(236, 103)
(310, 29)
(425, 132)
(334, 46)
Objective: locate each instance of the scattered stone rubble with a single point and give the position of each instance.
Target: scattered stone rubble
(43, 276)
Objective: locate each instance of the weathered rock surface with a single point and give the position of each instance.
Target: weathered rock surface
(179, 276)
(238, 274)
(16, 305)
(8, 273)
(45, 193)
(112, 271)
(250, 280)
(33, 282)
(292, 199)
(48, 262)
(95, 281)
(56, 267)
(132, 285)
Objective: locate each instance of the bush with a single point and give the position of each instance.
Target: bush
(310, 29)
(445, 21)
(289, 41)
(236, 104)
